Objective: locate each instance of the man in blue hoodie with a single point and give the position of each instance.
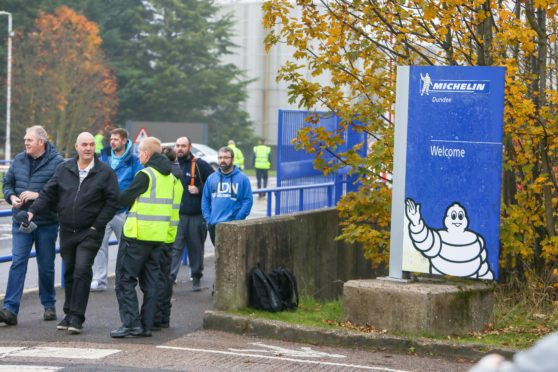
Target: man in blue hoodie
(125, 164)
(227, 194)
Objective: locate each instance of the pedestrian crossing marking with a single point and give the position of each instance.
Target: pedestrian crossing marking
(24, 368)
(4, 351)
(58, 352)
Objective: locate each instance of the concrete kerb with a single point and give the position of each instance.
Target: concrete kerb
(244, 325)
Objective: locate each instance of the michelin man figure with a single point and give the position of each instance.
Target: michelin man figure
(426, 83)
(454, 250)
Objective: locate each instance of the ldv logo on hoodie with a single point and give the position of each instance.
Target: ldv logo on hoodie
(224, 189)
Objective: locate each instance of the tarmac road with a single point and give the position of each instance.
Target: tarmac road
(36, 345)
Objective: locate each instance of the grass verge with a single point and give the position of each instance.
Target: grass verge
(310, 313)
(517, 323)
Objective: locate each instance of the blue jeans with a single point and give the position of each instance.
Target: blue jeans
(100, 266)
(44, 238)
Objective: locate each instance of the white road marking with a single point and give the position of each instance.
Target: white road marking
(304, 352)
(63, 352)
(4, 351)
(24, 368)
(316, 362)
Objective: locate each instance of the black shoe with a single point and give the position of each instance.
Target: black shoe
(196, 287)
(75, 328)
(126, 331)
(6, 316)
(64, 324)
(50, 314)
(144, 333)
(156, 327)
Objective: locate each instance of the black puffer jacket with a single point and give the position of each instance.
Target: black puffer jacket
(91, 204)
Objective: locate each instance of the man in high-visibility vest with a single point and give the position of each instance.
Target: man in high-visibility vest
(262, 163)
(154, 197)
(238, 155)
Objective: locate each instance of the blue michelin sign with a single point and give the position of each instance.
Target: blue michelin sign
(448, 166)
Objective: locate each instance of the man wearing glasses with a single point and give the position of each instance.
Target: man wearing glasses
(227, 194)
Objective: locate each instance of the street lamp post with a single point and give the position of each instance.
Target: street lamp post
(8, 148)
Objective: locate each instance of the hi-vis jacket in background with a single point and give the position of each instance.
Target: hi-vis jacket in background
(262, 157)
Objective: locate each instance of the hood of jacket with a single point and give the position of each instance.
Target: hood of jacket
(127, 152)
(160, 163)
(231, 174)
(50, 151)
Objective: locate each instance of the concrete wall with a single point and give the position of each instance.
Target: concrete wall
(304, 243)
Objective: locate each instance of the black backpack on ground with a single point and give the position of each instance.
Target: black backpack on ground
(264, 294)
(288, 289)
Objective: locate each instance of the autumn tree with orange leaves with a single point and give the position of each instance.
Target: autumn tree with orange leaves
(61, 79)
(358, 43)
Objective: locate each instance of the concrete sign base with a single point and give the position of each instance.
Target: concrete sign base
(420, 307)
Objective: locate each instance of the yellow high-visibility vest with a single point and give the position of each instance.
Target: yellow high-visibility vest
(99, 138)
(238, 156)
(261, 153)
(154, 214)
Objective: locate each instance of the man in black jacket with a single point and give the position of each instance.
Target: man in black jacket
(85, 192)
(192, 230)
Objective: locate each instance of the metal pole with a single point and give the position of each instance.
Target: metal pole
(8, 148)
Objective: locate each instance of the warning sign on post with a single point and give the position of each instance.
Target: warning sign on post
(142, 133)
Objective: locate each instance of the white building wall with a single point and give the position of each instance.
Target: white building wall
(265, 95)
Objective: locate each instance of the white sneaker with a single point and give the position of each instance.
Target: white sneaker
(96, 287)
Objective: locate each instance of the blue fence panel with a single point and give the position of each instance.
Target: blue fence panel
(295, 167)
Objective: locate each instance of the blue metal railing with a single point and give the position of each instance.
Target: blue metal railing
(8, 213)
(276, 191)
(269, 192)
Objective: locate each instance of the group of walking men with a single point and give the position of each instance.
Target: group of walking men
(156, 203)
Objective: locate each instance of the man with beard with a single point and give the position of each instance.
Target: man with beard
(125, 164)
(192, 230)
(227, 194)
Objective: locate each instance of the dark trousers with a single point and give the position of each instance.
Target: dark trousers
(78, 250)
(211, 229)
(164, 286)
(137, 260)
(191, 234)
(261, 175)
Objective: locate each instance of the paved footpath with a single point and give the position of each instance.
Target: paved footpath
(36, 345)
